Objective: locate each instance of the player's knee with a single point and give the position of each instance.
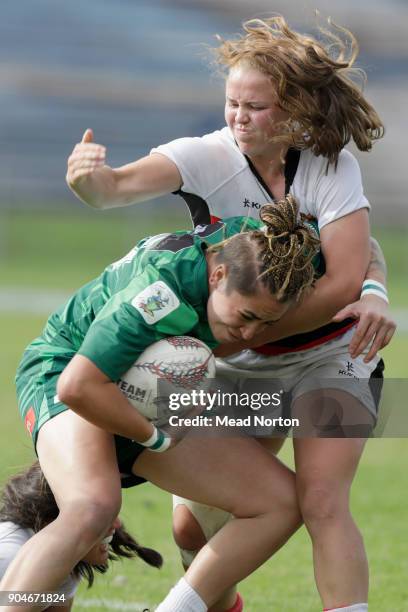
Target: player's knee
(280, 500)
(187, 532)
(89, 518)
(322, 506)
(286, 503)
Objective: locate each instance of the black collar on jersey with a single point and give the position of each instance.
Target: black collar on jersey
(291, 165)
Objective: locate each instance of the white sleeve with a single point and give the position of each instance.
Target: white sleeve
(191, 158)
(12, 538)
(339, 192)
(69, 587)
(201, 161)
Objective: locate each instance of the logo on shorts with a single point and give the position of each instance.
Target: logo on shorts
(29, 420)
(348, 370)
(155, 302)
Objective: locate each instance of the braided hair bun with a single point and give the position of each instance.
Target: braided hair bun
(279, 256)
(288, 249)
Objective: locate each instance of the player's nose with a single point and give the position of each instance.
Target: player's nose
(241, 115)
(249, 330)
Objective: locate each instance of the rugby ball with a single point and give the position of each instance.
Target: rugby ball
(174, 365)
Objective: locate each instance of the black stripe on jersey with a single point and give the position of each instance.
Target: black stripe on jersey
(198, 207)
(177, 242)
(174, 242)
(291, 165)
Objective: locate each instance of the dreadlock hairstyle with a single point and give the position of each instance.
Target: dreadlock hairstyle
(280, 257)
(315, 83)
(28, 501)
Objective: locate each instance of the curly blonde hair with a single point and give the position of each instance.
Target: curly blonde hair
(280, 256)
(313, 84)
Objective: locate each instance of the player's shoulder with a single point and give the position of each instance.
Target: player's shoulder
(218, 140)
(225, 228)
(319, 165)
(241, 224)
(222, 137)
(172, 242)
(222, 141)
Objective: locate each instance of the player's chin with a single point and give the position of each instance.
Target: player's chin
(244, 146)
(98, 557)
(102, 559)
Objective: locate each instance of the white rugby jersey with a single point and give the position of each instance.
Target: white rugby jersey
(220, 182)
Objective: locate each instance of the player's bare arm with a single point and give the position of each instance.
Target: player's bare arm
(345, 247)
(375, 324)
(377, 267)
(375, 327)
(101, 186)
(90, 393)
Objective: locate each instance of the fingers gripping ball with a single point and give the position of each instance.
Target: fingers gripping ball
(174, 365)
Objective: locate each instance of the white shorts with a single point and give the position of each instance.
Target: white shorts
(328, 366)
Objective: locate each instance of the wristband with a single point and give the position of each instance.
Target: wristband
(157, 442)
(373, 287)
(373, 284)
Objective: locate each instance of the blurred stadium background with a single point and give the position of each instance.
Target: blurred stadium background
(137, 72)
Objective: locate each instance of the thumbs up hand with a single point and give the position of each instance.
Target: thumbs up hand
(84, 162)
(88, 136)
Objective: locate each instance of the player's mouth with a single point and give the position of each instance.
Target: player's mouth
(108, 539)
(104, 547)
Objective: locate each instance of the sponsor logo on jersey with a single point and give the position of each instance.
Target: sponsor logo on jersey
(29, 420)
(251, 204)
(156, 302)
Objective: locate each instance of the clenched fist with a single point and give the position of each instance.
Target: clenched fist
(86, 158)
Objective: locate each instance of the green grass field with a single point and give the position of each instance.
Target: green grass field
(61, 252)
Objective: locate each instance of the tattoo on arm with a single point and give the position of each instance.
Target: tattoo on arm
(377, 268)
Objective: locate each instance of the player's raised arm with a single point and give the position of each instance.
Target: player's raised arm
(101, 186)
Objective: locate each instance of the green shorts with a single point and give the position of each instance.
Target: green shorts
(38, 403)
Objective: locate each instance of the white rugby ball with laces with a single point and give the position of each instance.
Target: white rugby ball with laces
(173, 365)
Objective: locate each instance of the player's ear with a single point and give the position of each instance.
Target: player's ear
(218, 276)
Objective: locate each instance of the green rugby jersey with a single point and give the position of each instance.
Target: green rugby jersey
(158, 289)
